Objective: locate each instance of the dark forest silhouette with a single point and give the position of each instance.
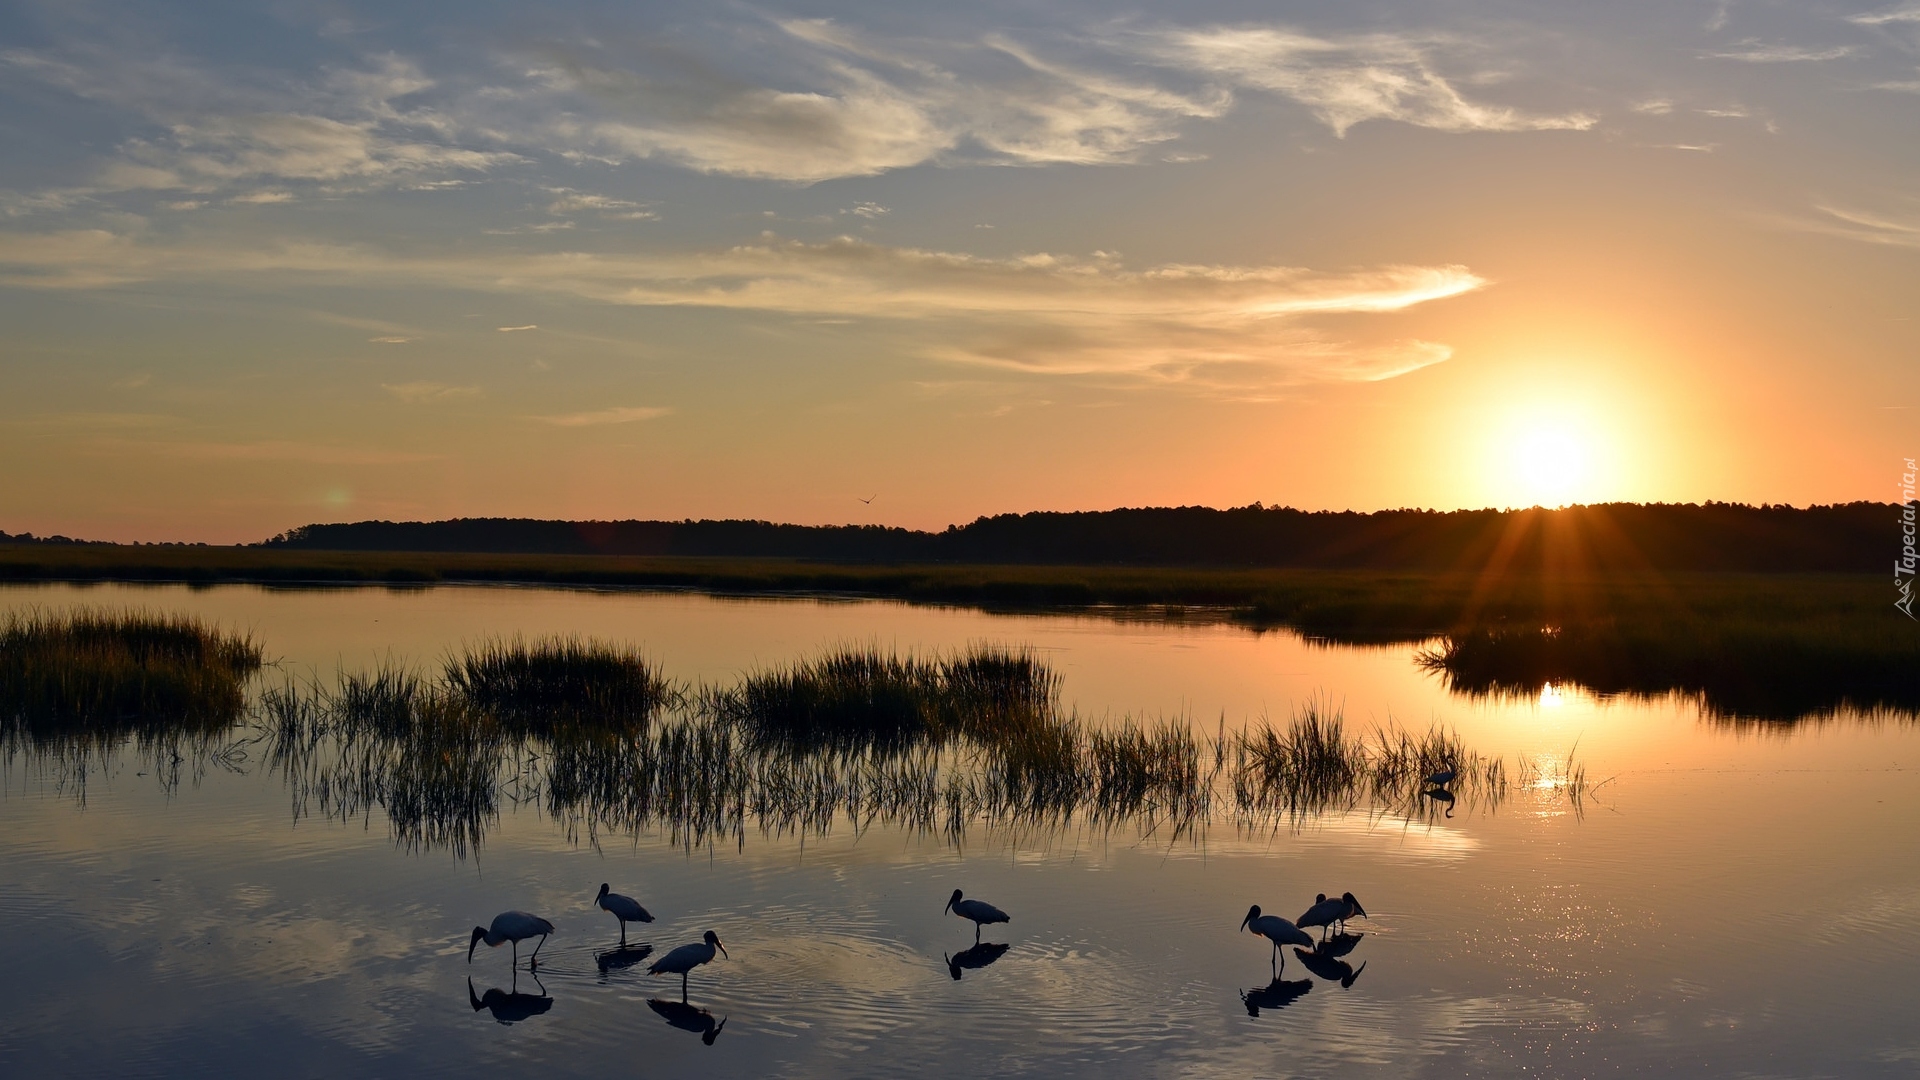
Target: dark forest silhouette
(1850, 537)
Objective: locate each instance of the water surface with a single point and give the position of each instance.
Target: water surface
(1738, 899)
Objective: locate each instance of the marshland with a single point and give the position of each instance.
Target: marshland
(285, 809)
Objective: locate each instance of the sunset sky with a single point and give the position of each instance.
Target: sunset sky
(269, 263)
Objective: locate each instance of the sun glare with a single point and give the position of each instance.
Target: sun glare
(1548, 455)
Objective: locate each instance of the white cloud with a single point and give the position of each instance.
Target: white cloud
(1908, 14)
(1754, 52)
(1869, 227)
(569, 201)
(619, 415)
(1038, 313)
(1344, 81)
(862, 106)
(417, 392)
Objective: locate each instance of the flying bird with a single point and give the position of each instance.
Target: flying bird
(514, 926)
(1277, 930)
(869, 499)
(687, 957)
(979, 911)
(624, 908)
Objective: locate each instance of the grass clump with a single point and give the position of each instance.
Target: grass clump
(528, 686)
(99, 676)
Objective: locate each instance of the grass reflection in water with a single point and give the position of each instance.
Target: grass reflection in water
(591, 735)
(940, 745)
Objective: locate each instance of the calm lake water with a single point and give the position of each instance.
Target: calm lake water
(1736, 900)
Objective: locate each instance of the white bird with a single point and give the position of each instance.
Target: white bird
(1277, 930)
(1325, 912)
(979, 911)
(624, 908)
(514, 926)
(687, 957)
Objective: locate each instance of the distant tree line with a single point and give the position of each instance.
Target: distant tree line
(1849, 537)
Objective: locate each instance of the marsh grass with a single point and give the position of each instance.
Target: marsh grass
(531, 686)
(76, 686)
(940, 744)
(1737, 665)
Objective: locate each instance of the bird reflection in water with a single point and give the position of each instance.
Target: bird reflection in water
(1277, 994)
(510, 1006)
(621, 958)
(1338, 945)
(978, 956)
(1441, 796)
(1330, 968)
(689, 1018)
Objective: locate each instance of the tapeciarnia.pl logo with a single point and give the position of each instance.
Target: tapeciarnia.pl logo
(1903, 567)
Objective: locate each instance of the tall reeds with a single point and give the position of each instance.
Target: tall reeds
(590, 734)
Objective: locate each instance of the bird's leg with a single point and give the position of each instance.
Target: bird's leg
(976, 933)
(516, 956)
(534, 960)
(683, 988)
(623, 933)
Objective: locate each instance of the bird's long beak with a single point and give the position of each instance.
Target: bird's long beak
(473, 997)
(723, 947)
(478, 933)
(1244, 922)
(948, 908)
(1360, 910)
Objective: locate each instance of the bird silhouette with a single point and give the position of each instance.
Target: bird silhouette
(1277, 994)
(687, 957)
(1329, 968)
(1442, 778)
(1277, 930)
(979, 956)
(510, 1006)
(687, 1018)
(1440, 795)
(869, 499)
(1326, 912)
(514, 926)
(624, 908)
(979, 911)
(621, 958)
(1339, 944)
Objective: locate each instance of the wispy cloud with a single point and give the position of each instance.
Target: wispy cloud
(1753, 52)
(1872, 228)
(1345, 81)
(597, 417)
(516, 329)
(1039, 313)
(416, 392)
(1908, 14)
(862, 105)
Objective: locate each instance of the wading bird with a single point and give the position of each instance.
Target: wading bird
(687, 957)
(979, 911)
(514, 926)
(1442, 778)
(624, 908)
(1277, 930)
(1324, 912)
